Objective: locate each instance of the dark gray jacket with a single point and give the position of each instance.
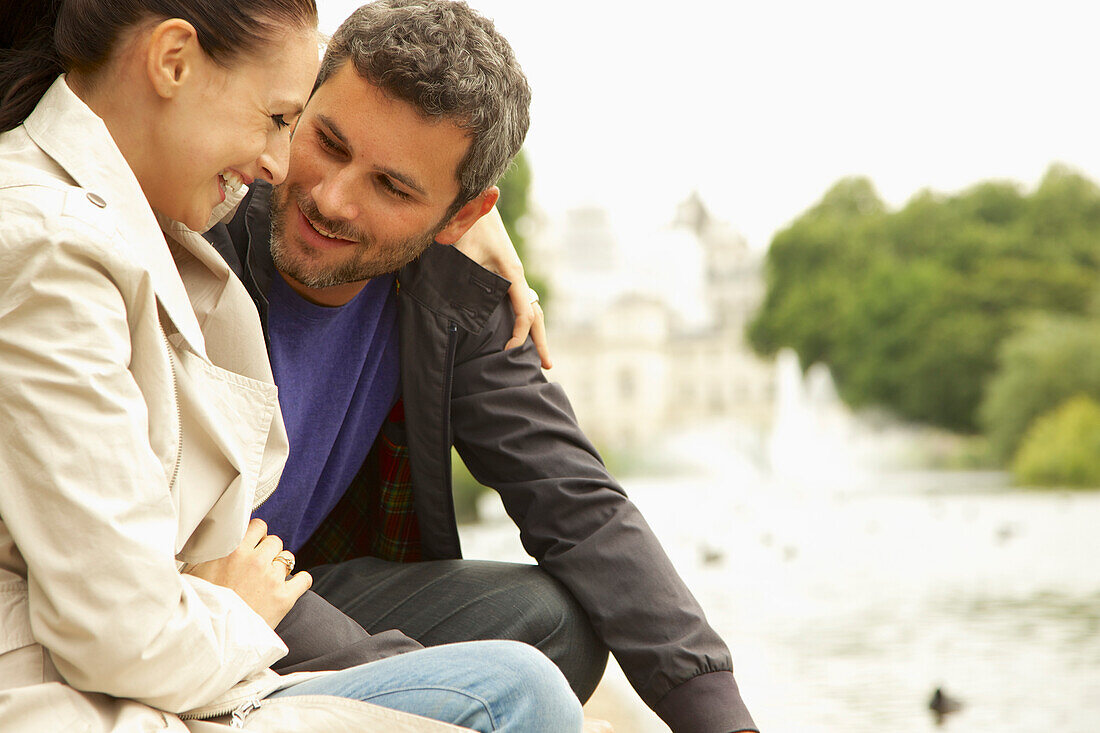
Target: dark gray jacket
(516, 432)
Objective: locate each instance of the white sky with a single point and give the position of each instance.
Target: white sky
(763, 105)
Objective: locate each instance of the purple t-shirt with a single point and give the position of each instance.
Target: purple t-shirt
(337, 371)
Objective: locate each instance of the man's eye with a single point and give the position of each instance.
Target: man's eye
(328, 143)
(280, 122)
(390, 188)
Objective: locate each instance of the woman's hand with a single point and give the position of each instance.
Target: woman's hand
(487, 243)
(593, 725)
(259, 572)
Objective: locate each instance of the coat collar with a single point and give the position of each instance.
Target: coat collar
(78, 140)
(450, 284)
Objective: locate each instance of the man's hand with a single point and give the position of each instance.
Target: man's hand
(256, 575)
(592, 725)
(487, 243)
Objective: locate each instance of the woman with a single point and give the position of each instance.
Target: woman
(138, 421)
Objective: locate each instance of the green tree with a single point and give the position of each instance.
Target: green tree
(515, 188)
(1049, 360)
(515, 191)
(812, 268)
(909, 307)
(1062, 447)
(911, 332)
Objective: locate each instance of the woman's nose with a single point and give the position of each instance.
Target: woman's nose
(275, 159)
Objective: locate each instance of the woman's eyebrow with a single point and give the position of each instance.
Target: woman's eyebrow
(294, 106)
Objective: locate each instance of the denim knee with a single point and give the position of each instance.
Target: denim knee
(545, 702)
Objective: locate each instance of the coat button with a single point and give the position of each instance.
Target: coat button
(96, 199)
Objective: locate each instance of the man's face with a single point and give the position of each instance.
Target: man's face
(369, 183)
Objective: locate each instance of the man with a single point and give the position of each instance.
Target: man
(387, 351)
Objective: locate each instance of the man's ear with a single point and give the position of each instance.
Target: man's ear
(171, 56)
(481, 205)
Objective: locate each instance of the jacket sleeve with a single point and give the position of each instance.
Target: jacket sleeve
(320, 637)
(85, 498)
(517, 433)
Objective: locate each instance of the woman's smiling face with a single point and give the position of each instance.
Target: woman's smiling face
(230, 126)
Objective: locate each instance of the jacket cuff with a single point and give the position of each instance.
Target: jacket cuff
(709, 703)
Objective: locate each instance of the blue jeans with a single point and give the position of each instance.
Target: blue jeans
(485, 685)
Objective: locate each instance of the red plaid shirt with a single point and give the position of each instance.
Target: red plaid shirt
(375, 517)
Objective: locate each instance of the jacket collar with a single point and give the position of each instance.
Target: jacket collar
(78, 140)
(450, 284)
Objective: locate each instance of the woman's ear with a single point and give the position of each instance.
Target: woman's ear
(172, 55)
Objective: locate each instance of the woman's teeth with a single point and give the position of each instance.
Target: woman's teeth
(232, 181)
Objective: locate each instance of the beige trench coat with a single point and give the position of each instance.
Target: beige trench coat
(139, 425)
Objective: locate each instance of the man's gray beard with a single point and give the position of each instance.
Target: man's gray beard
(308, 269)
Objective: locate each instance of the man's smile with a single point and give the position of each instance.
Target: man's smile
(316, 235)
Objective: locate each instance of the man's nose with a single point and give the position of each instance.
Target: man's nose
(336, 196)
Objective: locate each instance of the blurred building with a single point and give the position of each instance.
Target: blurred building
(645, 342)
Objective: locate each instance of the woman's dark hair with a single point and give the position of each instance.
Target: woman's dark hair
(40, 39)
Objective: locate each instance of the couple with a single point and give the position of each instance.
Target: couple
(141, 425)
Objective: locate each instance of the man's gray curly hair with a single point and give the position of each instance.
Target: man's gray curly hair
(447, 61)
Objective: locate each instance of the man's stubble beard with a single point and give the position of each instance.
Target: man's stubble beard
(307, 265)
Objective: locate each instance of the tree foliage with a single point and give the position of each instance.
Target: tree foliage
(1062, 447)
(515, 192)
(1049, 360)
(909, 307)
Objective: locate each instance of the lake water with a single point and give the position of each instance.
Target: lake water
(847, 598)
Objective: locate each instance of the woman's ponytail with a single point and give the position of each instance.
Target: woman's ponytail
(29, 61)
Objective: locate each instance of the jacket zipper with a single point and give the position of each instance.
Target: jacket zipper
(179, 423)
(179, 412)
(237, 711)
(445, 433)
(269, 494)
(240, 715)
(448, 378)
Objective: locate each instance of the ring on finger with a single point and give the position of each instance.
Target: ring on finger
(286, 559)
(533, 297)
